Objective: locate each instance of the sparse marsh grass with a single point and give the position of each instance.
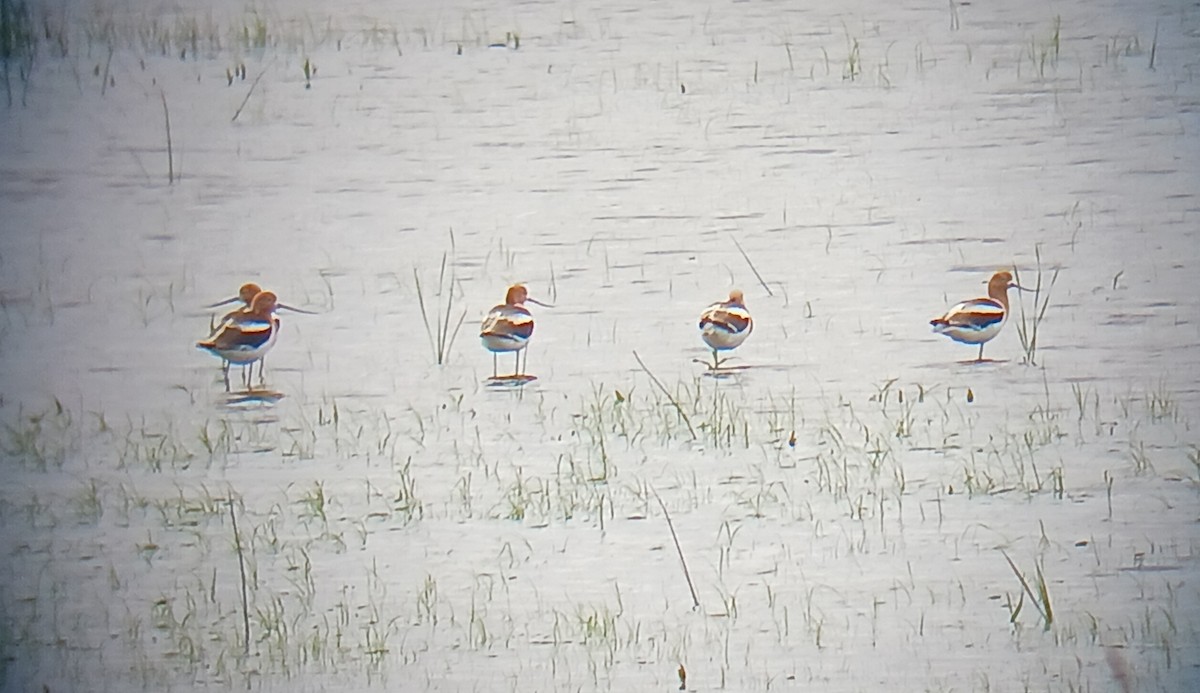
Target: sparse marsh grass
(1038, 593)
(1044, 50)
(693, 411)
(204, 36)
(248, 34)
(443, 329)
(1161, 403)
(856, 450)
(89, 503)
(1028, 324)
(18, 45)
(570, 494)
(17, 34)
(43, 440)
(156, 449)
(406, 505)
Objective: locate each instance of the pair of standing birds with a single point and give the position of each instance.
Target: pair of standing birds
(508, 327)
(246, 334)
(725, 325)
(976, 321)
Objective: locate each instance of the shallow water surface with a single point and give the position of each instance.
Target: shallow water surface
(854, 505)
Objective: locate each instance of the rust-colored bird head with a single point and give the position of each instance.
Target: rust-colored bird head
(517, 294)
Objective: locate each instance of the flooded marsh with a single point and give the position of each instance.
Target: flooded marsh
(849, 502)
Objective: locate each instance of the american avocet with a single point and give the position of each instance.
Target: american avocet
(508, 327)
(247, 336)
(245, 294)
(979, 320)
(725, 325)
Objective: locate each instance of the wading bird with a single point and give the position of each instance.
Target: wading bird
(979, 320)
(508, 327)
(245, 294)
(725, 325)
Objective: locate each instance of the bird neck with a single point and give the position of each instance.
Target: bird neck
(998, 291)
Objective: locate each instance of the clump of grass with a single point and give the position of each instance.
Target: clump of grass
(1047, 50)
(17, 36)
(407, 505)
(427, 601)
(314, 503)
(89, 504)
(1161, 404)
(1030, 322)
(1141, 460)
(441, 333)
(1040, 598)
(40, 441)
(18, 42)
(853, 60)
(254, 33)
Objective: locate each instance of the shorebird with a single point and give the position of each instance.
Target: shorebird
(725, 325)
(979, 320)
(245, 294)
(246, 336)
(508, 327)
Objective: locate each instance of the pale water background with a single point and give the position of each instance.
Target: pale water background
(408, 527)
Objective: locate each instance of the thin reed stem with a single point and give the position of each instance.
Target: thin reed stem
(237, 542)
(107, 65)
(170, 146)
(678, 549)
(253, 84)
(752, 267)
